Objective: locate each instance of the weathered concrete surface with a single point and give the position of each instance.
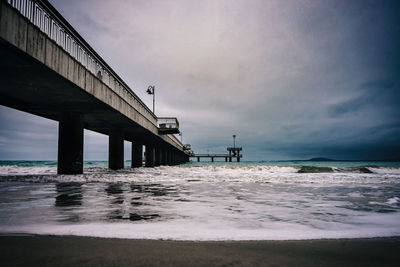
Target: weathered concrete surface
(137, 154)
(70, 144)
(39, 77)
(150, 155)
(116, 149)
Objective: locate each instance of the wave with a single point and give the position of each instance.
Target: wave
(209, 173)
(382, 225)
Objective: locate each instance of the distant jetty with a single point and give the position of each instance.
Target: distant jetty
(233, 152)
(321, 159)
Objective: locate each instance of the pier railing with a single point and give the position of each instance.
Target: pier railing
(168, 125)
(51, 22)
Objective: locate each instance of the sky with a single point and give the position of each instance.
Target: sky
(293, 79)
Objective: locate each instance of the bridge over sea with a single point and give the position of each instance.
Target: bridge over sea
(49, 70)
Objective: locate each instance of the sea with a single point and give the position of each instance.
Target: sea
(253, 200)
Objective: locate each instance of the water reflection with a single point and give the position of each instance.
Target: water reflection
(68, 198)
(115, 190)
(154, 189)
(133, 216)
(134, 202)
(68, 194)
(112, 201)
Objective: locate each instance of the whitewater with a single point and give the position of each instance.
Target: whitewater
(204, 201)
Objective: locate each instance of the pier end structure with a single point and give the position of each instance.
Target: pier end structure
(234, 152)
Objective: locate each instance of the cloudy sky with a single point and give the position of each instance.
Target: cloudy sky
(292, 79)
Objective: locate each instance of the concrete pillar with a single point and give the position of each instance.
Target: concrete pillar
(70, 144)
(226, 159)
(212, 159)
(230, 156)
(168, 156)
(137, 154)
(198, 159)
(238, 158)
(157, 156)
(164, 156)
(150, 155)
(115, 149)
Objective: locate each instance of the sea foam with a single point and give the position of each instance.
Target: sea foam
(201, 202)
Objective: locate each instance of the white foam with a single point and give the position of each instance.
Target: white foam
(393, 200)
(18, 170)
(366, 226)
(228, 173)
(213, 203)
(385, 170)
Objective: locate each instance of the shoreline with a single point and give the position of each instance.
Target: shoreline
(42, 250)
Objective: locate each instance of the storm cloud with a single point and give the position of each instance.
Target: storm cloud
(292, 79)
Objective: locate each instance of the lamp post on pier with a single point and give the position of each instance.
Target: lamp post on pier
(234, 136)
(151, 91)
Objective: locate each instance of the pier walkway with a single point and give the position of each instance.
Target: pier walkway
(49, 70)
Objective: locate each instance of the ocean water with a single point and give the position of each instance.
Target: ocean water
(275, 200)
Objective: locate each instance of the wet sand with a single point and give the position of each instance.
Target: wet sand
(87, 251)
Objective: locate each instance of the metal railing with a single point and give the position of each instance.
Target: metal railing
(43, 15)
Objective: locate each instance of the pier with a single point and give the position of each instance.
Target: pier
(233, 152)
(49, 70)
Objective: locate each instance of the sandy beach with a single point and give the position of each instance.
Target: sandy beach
(87, 251)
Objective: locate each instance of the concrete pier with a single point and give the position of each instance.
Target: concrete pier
(70, 144)
(137, 154)
(164, 156)
(150, 155)
(169, 153)
(157, 160)
(43, 74)
(116, 149)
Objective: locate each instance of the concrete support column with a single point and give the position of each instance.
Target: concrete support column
(70, 144)
(212, 159)
(137, 154)
(115, 149)
(238, 158)
(198, 159)
(150, 155)
(230, 156)
(168, 156)
(157, 156)
(174, 158)
(164, 156)
(226, 159)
